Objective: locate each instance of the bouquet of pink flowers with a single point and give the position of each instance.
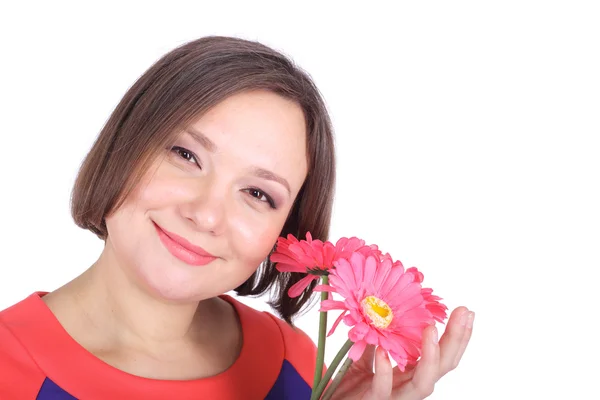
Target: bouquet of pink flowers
(384, 303)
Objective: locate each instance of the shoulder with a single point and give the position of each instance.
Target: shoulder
(19, 375)
(296, 341)
(300, 350)
(295, 346)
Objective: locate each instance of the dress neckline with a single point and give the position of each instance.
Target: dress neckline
(83, 375)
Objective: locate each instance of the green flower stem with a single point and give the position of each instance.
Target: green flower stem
(334, 364)
(322, 336)
(338, 378)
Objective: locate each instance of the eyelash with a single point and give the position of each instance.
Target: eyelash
(178, 150)
(268, 199)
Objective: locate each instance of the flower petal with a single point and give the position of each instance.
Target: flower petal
(372, 337)
(341, 243)
(369, 275)
(403, 282)
(392, 279)
(358, 332)
(401, 361)
(299, 287)
(329, 254)
(418, 275)
(359, 272)
(437, 309)
(343, 269)
(381, 274)
(324, 288)
(327, 305)
(282, 267)
(357, 350)
(336, 323)
(350, 320)
(340, 286)
(411, 298)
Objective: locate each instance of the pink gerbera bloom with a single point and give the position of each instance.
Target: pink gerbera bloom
(432, 302)
(384, 304)
(314, 257)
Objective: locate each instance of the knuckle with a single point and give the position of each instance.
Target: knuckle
(426, 390)
(447, 367)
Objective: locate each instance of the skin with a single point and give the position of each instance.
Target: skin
(142, 310)
(145, 312)
(416, 382)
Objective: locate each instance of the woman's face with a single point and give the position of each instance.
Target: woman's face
(204, 218)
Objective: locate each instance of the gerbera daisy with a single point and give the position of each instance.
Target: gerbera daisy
(314, 257)
(384, 304)
(432, 302)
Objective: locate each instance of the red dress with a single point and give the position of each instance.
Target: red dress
(39, 360)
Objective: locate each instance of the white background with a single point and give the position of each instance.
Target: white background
(467, 137)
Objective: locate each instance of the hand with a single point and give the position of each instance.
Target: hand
(416, 382)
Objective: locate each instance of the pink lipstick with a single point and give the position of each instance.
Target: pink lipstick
(183, 249)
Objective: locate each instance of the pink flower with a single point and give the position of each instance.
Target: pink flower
(432, 302)
(314, 256)
(384, 304)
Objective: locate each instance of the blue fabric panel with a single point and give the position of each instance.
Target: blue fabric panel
(51, 391)
(289, 385)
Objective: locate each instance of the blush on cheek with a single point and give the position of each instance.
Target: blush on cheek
(254, 245)
(159, 195)
(154, 187)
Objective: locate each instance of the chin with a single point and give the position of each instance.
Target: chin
(174, 284)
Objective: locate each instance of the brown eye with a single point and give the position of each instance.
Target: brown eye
(258, 194)
(261, 196)
(185, 154)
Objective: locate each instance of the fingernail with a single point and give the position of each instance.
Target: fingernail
(464, 317)
(434, 336)
(470, 320)
(383, 353)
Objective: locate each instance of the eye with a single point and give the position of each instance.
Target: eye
(186, 154)
(261, 196)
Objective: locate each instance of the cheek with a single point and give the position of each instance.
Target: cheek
(125, 237)
(161, 192)
(254, 241)
(159, 186)
(155, 193)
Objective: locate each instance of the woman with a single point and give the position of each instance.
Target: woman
(218, 149)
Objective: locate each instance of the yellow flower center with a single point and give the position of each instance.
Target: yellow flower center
(378, 311)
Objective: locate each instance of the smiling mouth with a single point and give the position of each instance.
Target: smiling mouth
(182, 249)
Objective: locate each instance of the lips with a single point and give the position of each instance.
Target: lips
(182, 249)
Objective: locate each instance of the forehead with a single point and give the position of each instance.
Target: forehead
(258, 129)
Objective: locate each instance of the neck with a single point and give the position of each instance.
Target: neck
(112, 316)
(114, 304)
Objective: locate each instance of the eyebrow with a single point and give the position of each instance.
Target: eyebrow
(202, 139)
(258, 172)
(266, 174)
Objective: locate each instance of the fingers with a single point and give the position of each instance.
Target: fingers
(365, 363)
(455, 339)
(465, 339)
(381, 388)
(427, 371)
(437, 359)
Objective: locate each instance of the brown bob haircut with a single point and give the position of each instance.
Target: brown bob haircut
(178, 89)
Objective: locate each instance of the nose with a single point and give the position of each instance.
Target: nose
(206, 208)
